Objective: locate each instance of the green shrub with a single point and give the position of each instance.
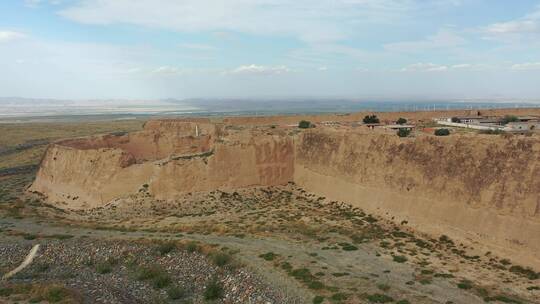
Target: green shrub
(379, 298)
(492, 132)
(317, 285)
(371, 119)
(509, 118)
(401, 121)
(318, 299)
(339, 296)
(269, 256)
(403, 132)
(6, 291)
(176, 292)
(55, 294)
(526, 272)
(148, 273)
(399, 258)
(304, 124)
(442, 132)
(465, 284)
(192, 247)
(161, 281)
(103, 267)
(213, 290)
(166, 247)
(221, 258)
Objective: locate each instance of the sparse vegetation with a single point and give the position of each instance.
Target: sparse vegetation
(399, 258)
(371, 119)
(269, 256)
(379, 298)
(214, 290)
(304, 124)
(442, 132)
(401, 121)
(221, 258)
(166, 247)
(508, 119)
(403, 132)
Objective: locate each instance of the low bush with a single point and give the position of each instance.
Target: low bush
(371, 119)
(213, 290)
(104, 267)
(304, 124)
(269, 256)
(166, 247)
(221, 258)
(379, 298)
(176, 292)
(403, 132)
(399, 258)
(442, 132)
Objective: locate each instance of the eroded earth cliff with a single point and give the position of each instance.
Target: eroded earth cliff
(483, 189)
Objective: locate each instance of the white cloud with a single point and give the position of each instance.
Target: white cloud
(6, 36)
(443, 39)
(253, 69)
(425, 67)
(525, 27)
(167, 70)
(308, 20)
(323, 68)
(526, 66)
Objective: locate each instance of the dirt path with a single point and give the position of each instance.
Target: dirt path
(362, 264)
(27, 261)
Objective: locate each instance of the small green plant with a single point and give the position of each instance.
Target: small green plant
(371, 119)
(318, 299)
(379, 298)
(221, 258)
(399, 258)
(403, 132)
(166, 247)
(213, 290)
(509, 118)
(401, 121)
(339, 296)
(304, 124)
(526, 272)
(103, 267)
(269, 256)
(442, 132)
(176, 292)
(192, 247)
(383, 287)
(161, 281)
(464, 284)
(55, 294)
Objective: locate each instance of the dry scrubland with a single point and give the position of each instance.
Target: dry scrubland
(284, 243)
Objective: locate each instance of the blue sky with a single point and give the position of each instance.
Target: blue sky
(366, 49)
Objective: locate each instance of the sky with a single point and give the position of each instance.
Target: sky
(365, 49)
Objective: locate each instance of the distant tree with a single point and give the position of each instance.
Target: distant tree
(371, 119)
(455, 119)
(404, 132)
(442, 132)
(401, 121)
(509, 118)
(304, 124)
